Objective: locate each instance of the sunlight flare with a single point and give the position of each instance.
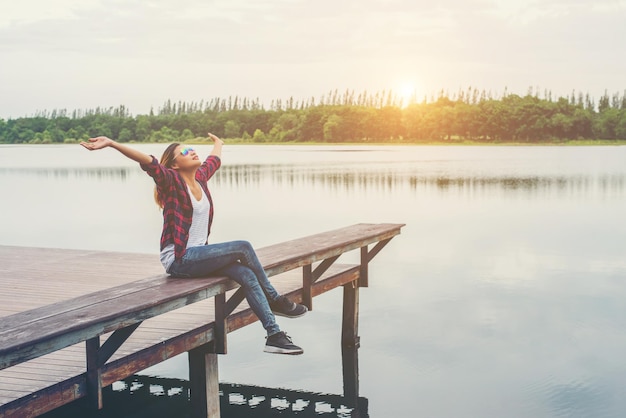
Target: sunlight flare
(407, 93)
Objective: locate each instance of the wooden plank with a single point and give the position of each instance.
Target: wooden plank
(23, 342)
(302, 251)
(55, 274)
(159, 290)
(45, 400)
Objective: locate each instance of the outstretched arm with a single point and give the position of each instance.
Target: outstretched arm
(104, 142)
(217, 145)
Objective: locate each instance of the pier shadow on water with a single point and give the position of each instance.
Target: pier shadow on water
(142, 396)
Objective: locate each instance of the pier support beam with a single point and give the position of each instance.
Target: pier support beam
(350, 342)
(94, 373)
(203, 382)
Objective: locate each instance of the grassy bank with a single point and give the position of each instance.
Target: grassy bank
(240, 141)
(587, 142)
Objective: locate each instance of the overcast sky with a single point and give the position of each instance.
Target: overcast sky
(80, 54)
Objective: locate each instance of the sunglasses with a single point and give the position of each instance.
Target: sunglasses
(185, 150)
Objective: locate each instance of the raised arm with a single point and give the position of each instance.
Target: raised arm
(217, 145)
(104, 142)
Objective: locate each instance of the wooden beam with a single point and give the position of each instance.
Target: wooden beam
(366, 256)
(350, 369)
(234, 301)
(364, 279)
(307, 283)
(350, 343)
(323, 266)
(204, 382)
(94, 381)
(350, 317)
(220, 324)
(114, 342)
(379, 246)
(321, 246)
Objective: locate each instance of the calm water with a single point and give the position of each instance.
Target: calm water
(503, 296)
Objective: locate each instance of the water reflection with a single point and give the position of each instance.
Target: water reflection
(158, 397)
(147, 396)
(109, 173)
(363, 178)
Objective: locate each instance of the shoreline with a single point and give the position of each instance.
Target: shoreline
(236, 141)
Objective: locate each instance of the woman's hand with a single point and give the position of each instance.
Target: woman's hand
(215, 139)
(97, 143)
(217, 145)
(104, 142)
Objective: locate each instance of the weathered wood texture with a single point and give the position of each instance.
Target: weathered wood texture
(54, 298)
(204, 383)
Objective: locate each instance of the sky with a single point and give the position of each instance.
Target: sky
(83, 54)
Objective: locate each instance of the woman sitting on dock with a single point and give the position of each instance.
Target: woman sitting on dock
(182, 192)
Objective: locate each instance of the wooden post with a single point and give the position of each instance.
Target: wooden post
(350, 342)
(204, 382)
(350, 367)
(350, 318)
(307, 282)
(220, 331)
(94, 373)
(363, 276)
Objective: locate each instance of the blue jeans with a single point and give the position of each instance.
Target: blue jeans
(238, 261)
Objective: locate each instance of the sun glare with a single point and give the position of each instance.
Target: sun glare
(407, 93)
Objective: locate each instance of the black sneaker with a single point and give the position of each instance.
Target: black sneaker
(284, 307)
(280, 343)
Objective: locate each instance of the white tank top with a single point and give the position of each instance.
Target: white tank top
(199, 221)
(198, 232)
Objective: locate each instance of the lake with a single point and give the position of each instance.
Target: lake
(504, 296)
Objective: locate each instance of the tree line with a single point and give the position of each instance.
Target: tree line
(466, 115)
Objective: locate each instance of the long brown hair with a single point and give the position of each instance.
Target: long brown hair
(167, 159)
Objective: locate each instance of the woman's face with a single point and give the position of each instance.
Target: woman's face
(186, 158)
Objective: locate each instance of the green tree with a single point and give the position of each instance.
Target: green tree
(332, 128)
(312, 127)
(605, 126)
(286, 127)
(232, 129)
(259, 136)
(3, 129)
(164, 134)
(125, 135)
(620, 127)
(186, 135)
(604, 103)
(143, 129)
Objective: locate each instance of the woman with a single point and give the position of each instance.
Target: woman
(182, 192)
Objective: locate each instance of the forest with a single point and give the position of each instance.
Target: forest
(467, 116)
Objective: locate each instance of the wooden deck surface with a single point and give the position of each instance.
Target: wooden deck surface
(34, 277)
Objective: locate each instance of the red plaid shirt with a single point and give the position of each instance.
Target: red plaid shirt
(177, 208)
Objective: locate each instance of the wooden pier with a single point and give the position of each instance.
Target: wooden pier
(75, 321)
